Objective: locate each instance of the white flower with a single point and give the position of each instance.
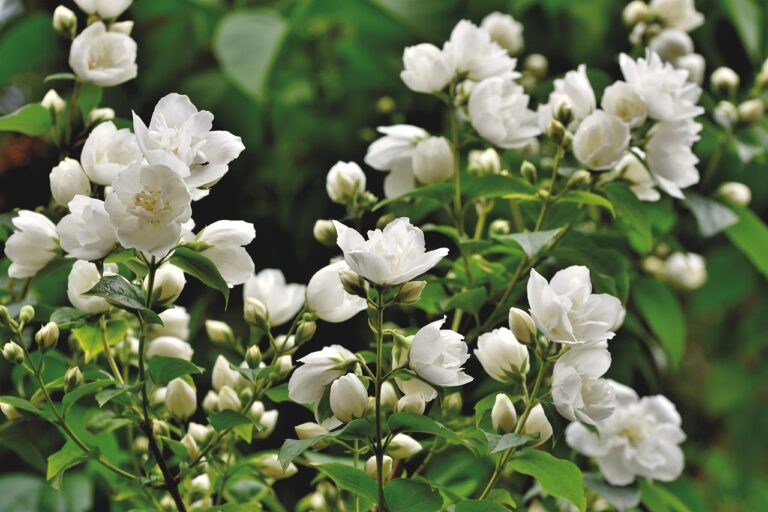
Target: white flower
(32, 245)
(670, 157)
(578, 391)
(573, 89)
(632, 170)
(437, 355)
(472, 53)
(168, 284)
(685, 270)
(86, 233)
(402, 446)
(502, 356)
(671, 44)
(624, 102)
(601, 140)
(282, 300)
(681, 14)
(498, 110)
(537, 423)
(270, 467)
(68, 180)
(327, 298)
(84, 276)
(666, 90)
(180, 137)
(52, 101)
(432, 160)
(169, 346)
(640, 438)
(228, 239)
(229, 400)
(391, 256)
(348, 398)
(180, 399)
(175, 323)
(148, 205)
(694, 64)
(320, 368)
(108, 151)
(344, 182)
(504, 31)
(393, 152)
(566, 310)
(735, 192)
(223, 375)
(201, 483)
(103, 58)
(503, 414)
(426, 68)
(104, 8)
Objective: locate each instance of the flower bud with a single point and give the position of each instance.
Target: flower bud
(484, 162)
(310, 430)
(563, 111)
(695, 65)
(403, 446)
(253, 356)
(72, 378)
(410, 292)
(344, 182)
(122, 27)
(284, 364)
(635, 12)
(47, 336)
(528, 171)
(64, 21)
(26, 314)
(219, 332)
(499, 227)
(372, 470)
(432, 160)
(168, 284)
(522, 326)
(537, 422)
(453, 404)
(98, 115)
(200, 433)
(229, 400)
(735, 192)
(180, 399)
(305, 331)
(384, 220)
(169, 346)
(268, 421)
(324, 232)
(67, 180)
(353, 283)
(537, 65)
(412, 402)
(724, 80)
(158, 396)
(503, 414)
(53, 102)
(13, 352)
(751, 111)
(270, 467)
(140, 445)
(191, 445)
(388, 395)
(10, 412)
(726, 114)
(348, 398)
(201, 484)
(5, 317)
(579, 179)
(211, 402)
(256, 314)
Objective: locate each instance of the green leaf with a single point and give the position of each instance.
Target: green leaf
(197, 265)
(658, 499)
(350, 479)
(409, 422)
(623, 498)
(123, 294)
(68, 318)
(532, 242)
(89, 98)
(106, 396)
(246, 44)
(711, 216)
(494, 185)
(279, 393)
(31, 119)
(292, 448)
(225, 420)
(89, 336)
(750, 235)
(497, 443)
(440, 192)
(661, 310)
(471, 300)
(59, 76)
(28, 44)
(631, 215)
(69, 456)
(747, 17)
(557, 477)
(24, 405)
(164, 369)
(480, 506)
(588, 198)
(82, 391)
(404, 495)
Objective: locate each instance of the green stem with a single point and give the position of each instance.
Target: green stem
(377, 397)
(107, 352)
(709, 173)
(547, 200)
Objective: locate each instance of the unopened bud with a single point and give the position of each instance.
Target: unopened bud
(26, 314)
(522, 326)
(353, 283)
(47, 336)
(735, 192)
(388, 394)
(503, 414)
(543, 193)
(13, 352)
(10, 411)
(191, 445)
(219, 332)
(122, 27)
(564, 111)
(537, 65)
(246, 394)
(140, 445)
(402, 446)
(635, 12)
(385, 219)
(751, 111)
(211, 402)
(452, 404)
(270, 467)
(726, 114)
(579, 179)
(72, 378)
(412, 402)
(537, 423)
(371, 469)
(253, 356)
(310, 430)
(229, 399)
(257, 410)
(64, 21)
(256, 313)
(5, 317)
(528, 171)
(97, 115)
(305, 331)
(499, 227)
(724, 80)
(484, 162)
(284, 364)
(53, 102)
(410, 292)
(324, 232)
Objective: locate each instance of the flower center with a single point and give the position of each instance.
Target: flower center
(149, 205)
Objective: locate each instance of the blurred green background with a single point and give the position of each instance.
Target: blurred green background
(305, 83)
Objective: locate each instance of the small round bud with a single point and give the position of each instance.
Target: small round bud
(353, 283)
(579, 179)
(13, 352)
(180, 399)
(726, 114)
(735, 192)
(140, 445)
(324, 232)
(253, 356)
(412, 402)
(635, 12)
(385, 219)
(211, 402)
(246, 394)
(499, 227)
(229, 399)
(724, 80)
(99, 115)
(345, 181)
(537, 422)
(503, 414)
(5, 317)
(310, 430)
(410, 292)
(168, 284)
(191, 445)
(305, 331)
(257, 410)
(564, 111)
(528, 171)
(388, 394)
(484, 162)
(453, 404)
(751, 111)
(348, 398)
(284, 364)
(256, 313)
(64, 21)
(537, 65)
(522, 326)
(543, 193)
(371, 469)
(403, 446)
(53, 102)
(72, 378)
(26, 314)
(47, 336)
(219, 332)
(10, 411)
